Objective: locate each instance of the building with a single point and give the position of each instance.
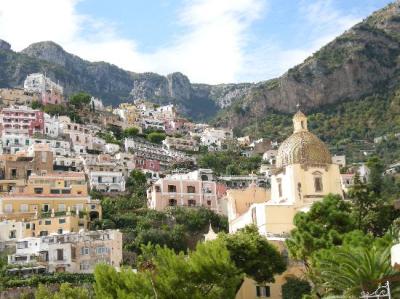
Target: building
(107, 181)
(304, 174)
(214, 138)
(21, 120)
(238, 202)
(242, 181)
(339, 160)
(181, 144)
(193, 189)
(37, 160)
(96, 104)
(58, 191)
(77, 252)
(49, 91)
(17, 96)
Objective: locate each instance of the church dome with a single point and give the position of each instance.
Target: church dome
(302, 147)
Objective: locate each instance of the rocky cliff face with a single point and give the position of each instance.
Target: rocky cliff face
(362, 61)
(112, 84)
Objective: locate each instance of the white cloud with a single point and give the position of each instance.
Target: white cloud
(322, 23)
(210, 50)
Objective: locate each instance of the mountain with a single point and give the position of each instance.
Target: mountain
(113, 84)
(362, 61)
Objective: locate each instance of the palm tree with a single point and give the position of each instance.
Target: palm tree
(349, 271)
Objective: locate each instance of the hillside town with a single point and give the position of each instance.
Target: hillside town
(56, 168)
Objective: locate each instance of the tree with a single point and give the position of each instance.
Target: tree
(376, 174)
(350, 270)
(254, 255)
(137, 182)
(322, 227)
(156, 137)
(66, 291)
(295, 288)
(80, 99)
(207, 272)
(131, 132)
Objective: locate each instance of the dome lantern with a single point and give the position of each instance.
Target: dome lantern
(302, 147)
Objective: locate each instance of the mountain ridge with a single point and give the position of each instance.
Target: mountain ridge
(359, 62)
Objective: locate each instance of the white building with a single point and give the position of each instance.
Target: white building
(214, 138)
(107, 181)
(39, 83)
(96, 104)
(339, 160)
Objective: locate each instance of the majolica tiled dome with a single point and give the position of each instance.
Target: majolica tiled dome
(302, 147)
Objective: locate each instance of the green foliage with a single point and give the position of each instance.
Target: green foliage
(322, 227)
(295, 288)
(80, 99)
(207, 272)
(254, 255)
(54, 109)
(373, 201)
(350, 270)
(156, 137)
(36, 105)
(67, 291)
(131, 132)
(73, 278)
(229, 162)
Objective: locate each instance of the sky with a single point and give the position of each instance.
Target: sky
(211, 41)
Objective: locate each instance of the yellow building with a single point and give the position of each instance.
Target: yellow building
(304, 174)
(55, 223)
(44, 193)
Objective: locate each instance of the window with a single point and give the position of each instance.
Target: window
(61, 207)
(54, 191)
(24, 208)
(171, 188)
(8, 208)
(254, 215)
(43, 233)
(61, 220)
(101, 250)
(12, 234)
(84, 250)
(191, 203)
(84, 265)
(318, 184)
(280, 188)
(66, 191)
(60, 231)
(172, 202)
(13, 173)
(209, 202)
(263, 291)
(47, 222)
(45, 207)
(191, 189)
(60, 254)
(38, 190)
(158, 188)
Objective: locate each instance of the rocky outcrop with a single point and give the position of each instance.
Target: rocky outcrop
(4, 45)
(362, 61)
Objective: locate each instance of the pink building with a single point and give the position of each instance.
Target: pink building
(194, 189)
(22, 120)
(147, 164)
(52, 96)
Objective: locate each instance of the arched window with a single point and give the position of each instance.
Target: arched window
(279, 187)
(318, 186)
